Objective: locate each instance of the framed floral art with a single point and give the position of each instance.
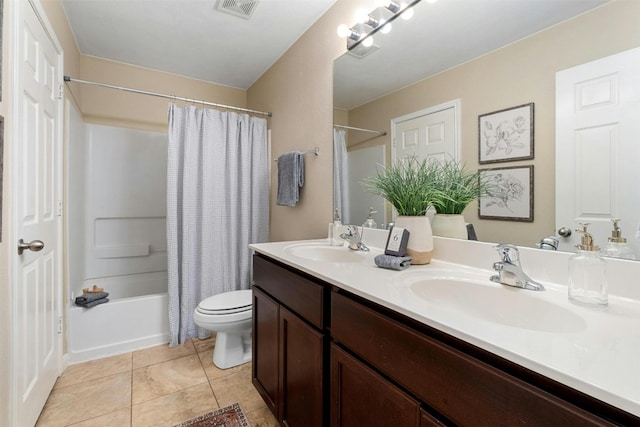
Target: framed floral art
(510, 194)
(506, 135)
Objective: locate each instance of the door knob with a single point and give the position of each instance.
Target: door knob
(34, 245)
(564, 231)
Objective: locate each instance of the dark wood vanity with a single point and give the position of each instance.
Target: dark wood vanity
(325, 357)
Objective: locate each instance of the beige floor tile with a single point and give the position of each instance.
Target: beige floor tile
(167, 377)
(161, 353)
(237, 388)
(212, 371)
(95, 369)
(204, 345)
(121, 418)
(79, 402)
(175, 407)
(262, 418)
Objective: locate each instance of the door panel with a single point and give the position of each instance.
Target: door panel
(597, 152)
(431, 135)
(38, 285)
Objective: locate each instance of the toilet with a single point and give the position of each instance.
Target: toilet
(229, 315)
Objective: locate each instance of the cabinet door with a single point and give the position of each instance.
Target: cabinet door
(301, 367)
(265, 347)
(361, 397)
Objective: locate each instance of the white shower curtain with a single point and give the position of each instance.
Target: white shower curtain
(217, 204)
(340, 173)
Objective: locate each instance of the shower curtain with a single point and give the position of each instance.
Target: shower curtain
(340, 183)
(217, 204)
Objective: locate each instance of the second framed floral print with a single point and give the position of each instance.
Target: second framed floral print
(506, 135)
(509, 195)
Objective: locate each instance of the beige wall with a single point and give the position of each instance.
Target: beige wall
(518, 74)
(298, 89)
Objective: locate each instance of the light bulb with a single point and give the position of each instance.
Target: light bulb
(367, 42)
(343, 31)
(407, 14)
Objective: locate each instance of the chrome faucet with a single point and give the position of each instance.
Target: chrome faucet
(509, 270)
(354, 238)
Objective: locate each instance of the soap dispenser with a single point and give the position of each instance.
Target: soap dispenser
(370, 223)
(587, 272)
(336, 230)
(617, 246)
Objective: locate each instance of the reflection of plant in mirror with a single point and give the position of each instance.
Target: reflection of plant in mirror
(407, 185)
(455, 187)
(505, 136)
(504, 188)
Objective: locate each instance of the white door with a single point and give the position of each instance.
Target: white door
(432, 133)
(598, 148)
(37, 283)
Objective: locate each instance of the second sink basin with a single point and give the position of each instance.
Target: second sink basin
(497, 303)
(325, 253)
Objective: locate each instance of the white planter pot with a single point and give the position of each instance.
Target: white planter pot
(420, 245)
(450, 225)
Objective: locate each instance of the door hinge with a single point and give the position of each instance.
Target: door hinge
(60, 208)
(60, 92)
(60, 324)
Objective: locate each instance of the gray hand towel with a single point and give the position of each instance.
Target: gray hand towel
(94, 303)
(290, 178)
(393, 262)
(89, 297)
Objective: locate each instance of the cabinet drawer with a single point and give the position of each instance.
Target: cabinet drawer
(301, 295)
(463, 389)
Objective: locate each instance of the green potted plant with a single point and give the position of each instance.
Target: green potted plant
(408, 186)
(454, 188)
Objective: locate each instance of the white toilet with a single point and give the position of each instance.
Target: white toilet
(229, 315)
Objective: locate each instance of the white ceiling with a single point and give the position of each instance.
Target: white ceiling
(191, 38)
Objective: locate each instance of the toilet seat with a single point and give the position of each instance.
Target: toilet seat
(226, 303)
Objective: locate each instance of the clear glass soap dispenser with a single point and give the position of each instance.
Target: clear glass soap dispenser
(617, 247)
(370, 223)
(336, 230)
(587, 272)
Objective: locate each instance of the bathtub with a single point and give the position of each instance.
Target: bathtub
(135, 317)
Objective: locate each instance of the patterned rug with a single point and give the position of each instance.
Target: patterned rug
(231, 416)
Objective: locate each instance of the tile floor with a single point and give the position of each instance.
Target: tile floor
(158, 386)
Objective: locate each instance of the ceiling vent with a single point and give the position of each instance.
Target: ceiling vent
(241, 8)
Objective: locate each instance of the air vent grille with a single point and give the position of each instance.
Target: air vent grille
(241, 8)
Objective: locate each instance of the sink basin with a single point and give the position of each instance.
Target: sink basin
(325, 253)
(496, 303)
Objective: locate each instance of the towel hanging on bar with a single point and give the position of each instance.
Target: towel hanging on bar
(290, 178)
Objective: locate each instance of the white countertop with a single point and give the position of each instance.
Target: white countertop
(594, 350)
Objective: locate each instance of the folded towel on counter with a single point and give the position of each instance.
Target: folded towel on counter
(90, 297)
(290, 178)
(393, 262)
(94, 303)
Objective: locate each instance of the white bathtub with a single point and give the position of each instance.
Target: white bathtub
(135, 317)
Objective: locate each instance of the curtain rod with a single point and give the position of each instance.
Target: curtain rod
(380, 132)
(160, 95)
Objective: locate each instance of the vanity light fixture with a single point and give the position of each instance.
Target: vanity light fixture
(379, 19)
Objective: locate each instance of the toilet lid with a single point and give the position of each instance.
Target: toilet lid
(227, 302)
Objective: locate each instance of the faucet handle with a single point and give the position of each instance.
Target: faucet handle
(508, 253)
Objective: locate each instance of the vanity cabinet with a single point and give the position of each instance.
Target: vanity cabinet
(289, 344)
(323, 356)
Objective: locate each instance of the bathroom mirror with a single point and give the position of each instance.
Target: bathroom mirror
(416, 66)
